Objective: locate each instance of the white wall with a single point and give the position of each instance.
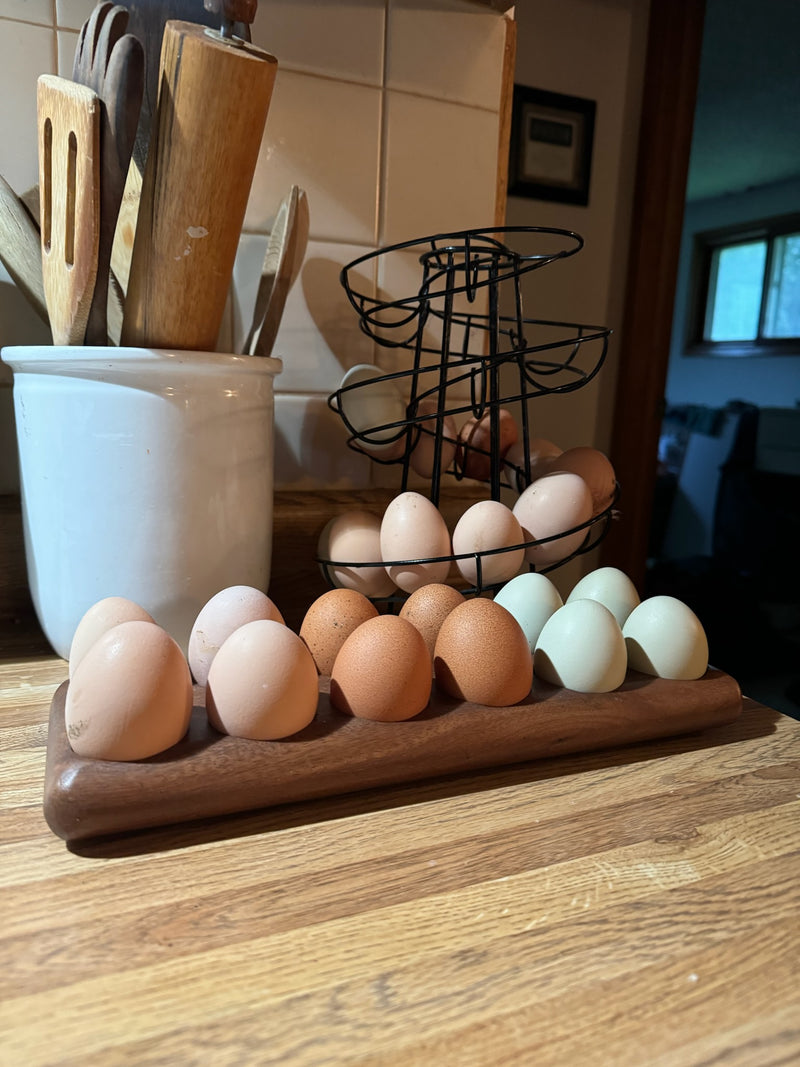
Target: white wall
(593, 49)
(714, 380)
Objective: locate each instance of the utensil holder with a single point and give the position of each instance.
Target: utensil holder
(144, 473)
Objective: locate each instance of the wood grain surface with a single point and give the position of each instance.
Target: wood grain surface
(211, 774)
(628, 907)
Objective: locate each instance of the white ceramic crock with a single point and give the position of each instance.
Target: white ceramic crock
(144, 473)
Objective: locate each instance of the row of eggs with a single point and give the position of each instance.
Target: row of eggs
(130, 694)
(410, 545)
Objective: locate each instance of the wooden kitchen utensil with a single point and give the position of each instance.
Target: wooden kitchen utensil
(212, 107)
(20, 248)
(111, 63)
(282, 262)
(69, 177)
(147, 21)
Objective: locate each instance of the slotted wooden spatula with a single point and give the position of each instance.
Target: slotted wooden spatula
(69, 179)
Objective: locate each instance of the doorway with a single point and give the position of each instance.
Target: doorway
(732, 612)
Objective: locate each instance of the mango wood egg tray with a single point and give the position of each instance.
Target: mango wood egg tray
(208, 774)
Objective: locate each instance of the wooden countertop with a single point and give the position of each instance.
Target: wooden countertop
(638, 906)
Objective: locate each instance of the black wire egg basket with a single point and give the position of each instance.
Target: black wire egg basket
(472, 353)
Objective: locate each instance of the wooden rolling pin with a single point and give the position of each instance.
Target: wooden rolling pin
(213, 100)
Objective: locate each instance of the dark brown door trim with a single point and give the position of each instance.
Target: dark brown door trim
(670, 88)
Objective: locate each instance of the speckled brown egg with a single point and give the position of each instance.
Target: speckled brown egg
(482, 655)
(329, 622)
(383, 671)
(428, 607)
(130, 696)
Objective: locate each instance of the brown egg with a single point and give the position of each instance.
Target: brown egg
(383, 671)
(102, 616)
(474, 447)
(329, 622)
(482, 655)
(130, 696)
(428, 607)
(263, 684)
(225, 612)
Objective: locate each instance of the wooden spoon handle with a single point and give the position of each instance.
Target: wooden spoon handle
(121, 100)
(276, 251)
(20, 251)
(212, 107)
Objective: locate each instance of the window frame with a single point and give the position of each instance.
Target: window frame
(704, 247)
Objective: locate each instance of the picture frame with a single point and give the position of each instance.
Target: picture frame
(552, 137)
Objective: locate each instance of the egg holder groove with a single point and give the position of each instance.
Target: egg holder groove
(471, 345)
(208, 774)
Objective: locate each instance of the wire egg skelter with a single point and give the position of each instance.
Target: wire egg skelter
(469, 338)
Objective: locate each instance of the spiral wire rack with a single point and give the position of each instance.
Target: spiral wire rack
(470, 340)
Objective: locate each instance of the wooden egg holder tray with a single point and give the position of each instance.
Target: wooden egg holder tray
(208, 774)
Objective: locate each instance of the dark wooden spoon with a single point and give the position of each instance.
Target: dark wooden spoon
(111, 62)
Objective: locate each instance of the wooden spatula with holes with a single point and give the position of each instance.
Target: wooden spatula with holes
(69, 180)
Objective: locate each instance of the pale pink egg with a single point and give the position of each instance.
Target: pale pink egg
(415, 542)
(225, 612)
(263, 683)
(552, 505)
(102, 616)
(596, 470)
(485, 527)
(130, 696)
(351, 538)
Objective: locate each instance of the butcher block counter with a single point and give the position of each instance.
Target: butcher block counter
(633, 906)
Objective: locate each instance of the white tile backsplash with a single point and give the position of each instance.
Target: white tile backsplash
(324, 136)
(40, 11)
(71, 14)
(440, 171)
(386, 112)
(400, 277)
(25, 52)
(67, 44)
(446, 49)
(338, 38)
(319, 338)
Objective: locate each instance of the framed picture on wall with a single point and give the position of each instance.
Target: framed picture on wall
(551, 146)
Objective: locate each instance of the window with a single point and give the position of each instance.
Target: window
(747, 290)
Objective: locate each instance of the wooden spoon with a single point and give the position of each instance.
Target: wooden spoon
(20, 248)
(282, 263)
(69, 174)
(111, 63)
